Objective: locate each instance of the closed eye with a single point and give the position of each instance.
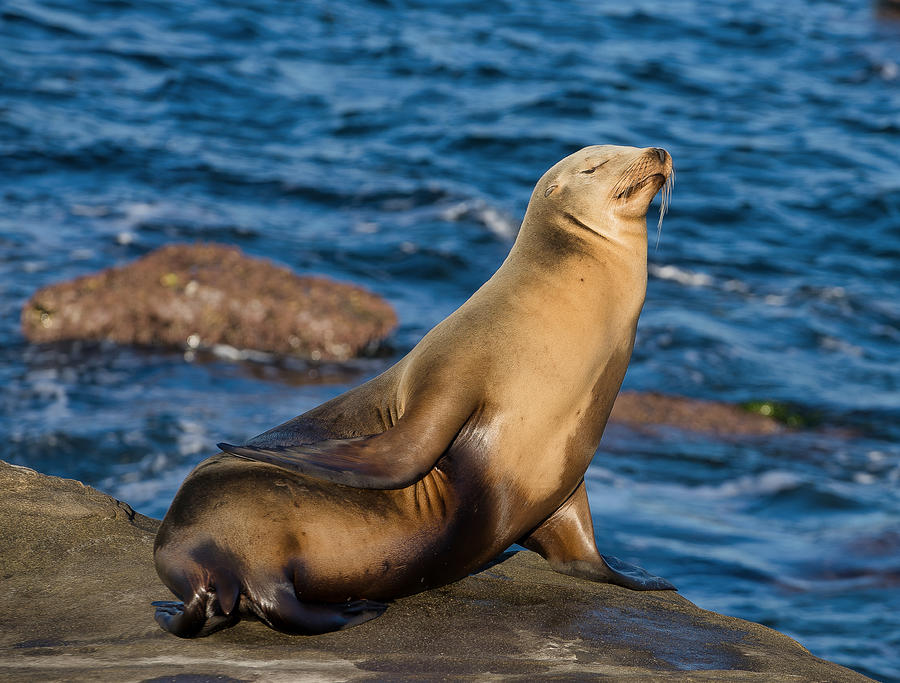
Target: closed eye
(591, 170)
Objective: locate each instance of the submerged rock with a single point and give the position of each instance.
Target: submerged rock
(77, 579)
(203, 295)
(722, 419)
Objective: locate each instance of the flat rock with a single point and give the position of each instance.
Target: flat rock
(77, 581)
(204, 295)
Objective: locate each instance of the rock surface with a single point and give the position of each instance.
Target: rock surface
(723, 419)
(206, 295)
(77, 579)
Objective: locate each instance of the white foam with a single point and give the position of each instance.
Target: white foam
(138, 211)
(46, 384)
(763, 484)
(226, 351)
(496, 221)
(366, 228)
(681, 275)
(192, 439)
(736, 286)
(89, 211)
(229, 352)
(81, 254)
(143, 493)
(834, 344)
(875, 456)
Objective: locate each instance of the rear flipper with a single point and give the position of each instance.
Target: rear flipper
(288, 614)
(566, 541)
(191, 620)
(216, 597)
(202, 615)
(211, 597)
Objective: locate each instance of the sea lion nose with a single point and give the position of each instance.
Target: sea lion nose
(661, 153)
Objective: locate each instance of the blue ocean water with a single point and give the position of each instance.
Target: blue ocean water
(395, 144)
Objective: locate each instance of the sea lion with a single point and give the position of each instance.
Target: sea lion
(477, 439)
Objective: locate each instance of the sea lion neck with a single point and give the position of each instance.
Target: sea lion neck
(558, 239)
(551, 261)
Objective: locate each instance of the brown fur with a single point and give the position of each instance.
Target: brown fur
(509, 395)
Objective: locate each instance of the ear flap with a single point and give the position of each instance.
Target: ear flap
(549, 190)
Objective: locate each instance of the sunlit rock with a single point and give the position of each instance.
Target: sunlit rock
(209, 295)
(77, 580)
(714, 417)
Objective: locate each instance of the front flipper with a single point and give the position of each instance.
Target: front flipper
(393, 459)
(566, 540)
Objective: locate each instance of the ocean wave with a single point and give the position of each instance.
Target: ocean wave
(764, 484)
(497, 222)
(680, 275)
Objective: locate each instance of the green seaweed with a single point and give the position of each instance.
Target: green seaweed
(784, 413)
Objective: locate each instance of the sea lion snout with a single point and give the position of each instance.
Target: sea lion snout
(651, 157)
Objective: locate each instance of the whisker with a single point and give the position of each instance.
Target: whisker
(625, 180)
(664, 203)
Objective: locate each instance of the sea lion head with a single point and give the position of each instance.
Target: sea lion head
(605, 188)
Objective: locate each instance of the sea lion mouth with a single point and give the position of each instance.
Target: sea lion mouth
(658, 178)
(654, 171)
